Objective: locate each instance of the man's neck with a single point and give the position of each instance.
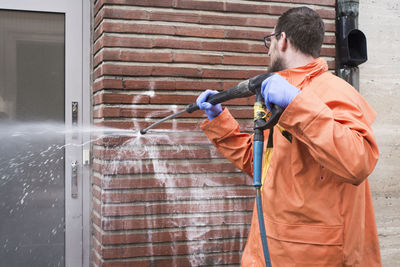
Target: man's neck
(295, 58)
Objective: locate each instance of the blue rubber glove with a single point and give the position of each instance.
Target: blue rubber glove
(212, 111)
(277, 90)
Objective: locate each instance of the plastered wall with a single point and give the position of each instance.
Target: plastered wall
(380, 85)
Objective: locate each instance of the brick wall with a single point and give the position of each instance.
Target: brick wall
(169, 198)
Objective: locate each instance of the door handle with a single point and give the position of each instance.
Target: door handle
(74, 120)
(75, 113)
(74, 179)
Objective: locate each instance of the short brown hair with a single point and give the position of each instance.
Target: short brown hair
(304, 28)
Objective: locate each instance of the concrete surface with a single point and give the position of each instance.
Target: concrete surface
(380, 85)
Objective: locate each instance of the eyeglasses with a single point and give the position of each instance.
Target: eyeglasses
(267, 39)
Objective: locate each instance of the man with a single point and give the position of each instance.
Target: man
(316, 199)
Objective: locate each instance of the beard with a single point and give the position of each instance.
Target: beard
(277, 65)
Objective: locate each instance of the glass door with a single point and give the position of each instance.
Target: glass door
(41, 88)
(32, 160)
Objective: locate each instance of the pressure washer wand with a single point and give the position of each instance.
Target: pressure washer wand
(243, 89)
(143, 131)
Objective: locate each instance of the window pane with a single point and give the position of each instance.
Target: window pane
(32, 191)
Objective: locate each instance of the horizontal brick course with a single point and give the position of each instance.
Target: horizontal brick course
(176, 195)
(175, 71)
(211, 259)
(209, 58)
(181, 221)
(143, 153)
(165, 208)
(174, 126)
(162, 139)
(186, 31)
(113, 98)
(177, 43)
(118, 112)
(176, 182)
(169, 167)
(121, 98)
(170, 3)
(172, 249)
(162, 236)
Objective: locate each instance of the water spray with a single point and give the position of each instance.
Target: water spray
(262, 120)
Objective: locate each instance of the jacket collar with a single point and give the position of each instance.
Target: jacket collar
(301, 76)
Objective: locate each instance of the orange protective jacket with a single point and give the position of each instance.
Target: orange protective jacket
(316, 199)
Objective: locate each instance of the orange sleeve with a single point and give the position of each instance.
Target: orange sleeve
(224, 132)
(337, 133)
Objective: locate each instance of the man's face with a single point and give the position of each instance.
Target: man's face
(277, 62)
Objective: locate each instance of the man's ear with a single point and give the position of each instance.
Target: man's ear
(283, 42)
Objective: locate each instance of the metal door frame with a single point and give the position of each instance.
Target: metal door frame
(77, 89)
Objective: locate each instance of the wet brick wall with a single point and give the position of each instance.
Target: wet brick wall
(169, 198)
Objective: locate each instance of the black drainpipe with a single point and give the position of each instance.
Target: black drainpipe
(351, 44)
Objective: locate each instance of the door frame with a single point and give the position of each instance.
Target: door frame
(77, 89)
